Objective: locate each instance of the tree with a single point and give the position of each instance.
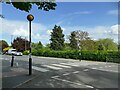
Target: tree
(101, 47)
(76, 39)
(1, 16)
(3, 44)
(57, 38)
(27, 6)
(88, 45)
(20, 44)
(73, 41)
(37, 45)
(107, 43)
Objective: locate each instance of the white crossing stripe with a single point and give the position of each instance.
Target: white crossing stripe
(85, 70)
(39, 69)
(61, 66)
(70, 64)
(66, 74)
(76, 72)
(52, 67)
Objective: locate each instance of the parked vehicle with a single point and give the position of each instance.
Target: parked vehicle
(19, 53)
(14, 52)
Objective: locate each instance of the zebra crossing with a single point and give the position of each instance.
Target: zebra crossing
(60, 66)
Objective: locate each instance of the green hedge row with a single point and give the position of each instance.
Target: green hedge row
(109, 56)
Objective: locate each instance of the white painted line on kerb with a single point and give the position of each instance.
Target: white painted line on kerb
(52, 67)
(66, 74)
(85, 70)
(76, 72)
(70, 64)
(61, 66)
(39, 69)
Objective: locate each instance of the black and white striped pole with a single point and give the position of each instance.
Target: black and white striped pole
(30, 18)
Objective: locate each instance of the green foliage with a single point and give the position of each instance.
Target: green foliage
(37, 45)
(27, 6)
(106, 44)
(84, 55)
(26, 52)
(20, 44)
(57, 38)
(101, 47)
(73, 41)
(77, 39)
(3, 44)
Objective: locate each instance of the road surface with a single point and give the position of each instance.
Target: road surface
(58, 73)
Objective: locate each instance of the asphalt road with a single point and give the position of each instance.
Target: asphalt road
(58, 73)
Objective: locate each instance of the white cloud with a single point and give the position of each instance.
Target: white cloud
(114, 29)
(20, 32)
(113, 12)
(97, 32)
(49, 32)
(82, 12)
(20, 28)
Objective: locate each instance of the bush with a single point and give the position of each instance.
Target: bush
(26, 52)
(81, 55)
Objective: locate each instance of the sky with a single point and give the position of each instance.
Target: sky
(99, 19)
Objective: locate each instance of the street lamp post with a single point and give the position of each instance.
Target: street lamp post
(30, 18)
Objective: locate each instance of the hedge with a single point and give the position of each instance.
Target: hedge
(109, 56)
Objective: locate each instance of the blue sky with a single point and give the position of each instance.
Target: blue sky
(100, 19)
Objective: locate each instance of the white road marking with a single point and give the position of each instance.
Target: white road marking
(17, 64)
(101, 67)
(52, 67)
(94, 68)
(61, 65)
(66, 74)
(55, 76)
(67, 81)
(89, 86)
(70, 64)
(85, 70)
(39, 69)
(106, 66)
(72, 82)
(76, 72)
(109, 66)
(6, 58)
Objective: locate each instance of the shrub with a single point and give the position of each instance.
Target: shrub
(84, 55)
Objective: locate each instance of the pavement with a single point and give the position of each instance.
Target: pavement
(50, 72)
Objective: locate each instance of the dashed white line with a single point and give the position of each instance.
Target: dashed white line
(67, 81)
(88, 86)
